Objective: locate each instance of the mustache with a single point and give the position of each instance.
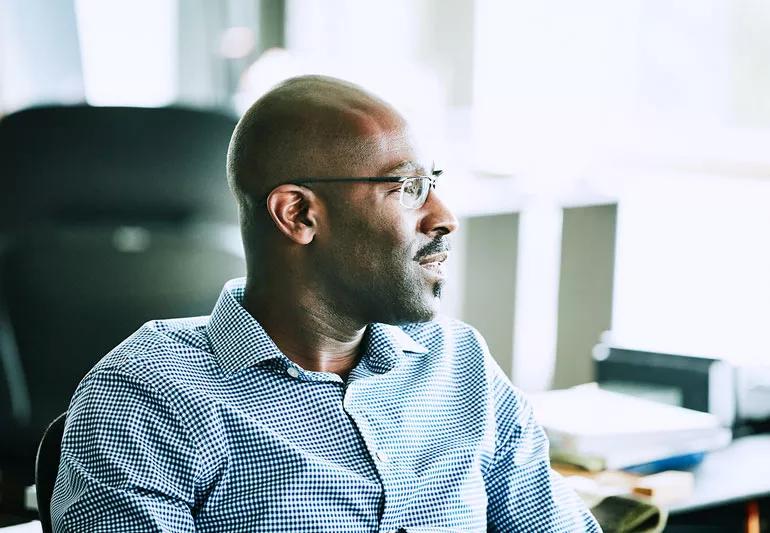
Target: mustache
(437, 245)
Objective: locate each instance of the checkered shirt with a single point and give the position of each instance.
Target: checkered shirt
(202, 424)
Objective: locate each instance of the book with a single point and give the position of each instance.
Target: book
(676, 462)
(598, 429)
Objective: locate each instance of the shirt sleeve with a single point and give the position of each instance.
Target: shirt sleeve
(524, 493)
(126, 463)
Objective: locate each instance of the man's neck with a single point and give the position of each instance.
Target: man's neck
(306, 331)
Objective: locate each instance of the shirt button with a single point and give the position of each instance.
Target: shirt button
(381, 456)
(293, 372)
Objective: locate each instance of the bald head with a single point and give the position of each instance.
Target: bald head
(307, 126)
(348, 250)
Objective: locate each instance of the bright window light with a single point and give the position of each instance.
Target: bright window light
(334, 38)
(129, 51)
(691, 271)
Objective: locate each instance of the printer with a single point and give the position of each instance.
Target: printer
(738, 395)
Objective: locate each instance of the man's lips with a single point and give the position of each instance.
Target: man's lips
(433, 258)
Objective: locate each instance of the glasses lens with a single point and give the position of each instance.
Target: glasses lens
(414, 192)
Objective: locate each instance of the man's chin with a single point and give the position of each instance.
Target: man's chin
(420, 302)
(424, 313)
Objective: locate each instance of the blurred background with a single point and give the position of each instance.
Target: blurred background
(609, 162)
(650, 116)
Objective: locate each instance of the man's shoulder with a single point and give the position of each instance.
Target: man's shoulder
(159, 346)
(164, 369)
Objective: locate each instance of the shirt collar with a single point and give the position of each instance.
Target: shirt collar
(384, 346)
(238, 341)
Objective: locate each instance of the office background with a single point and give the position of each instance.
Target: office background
(609, 161)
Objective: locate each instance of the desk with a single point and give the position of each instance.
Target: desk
(729, 486)
(732, 482)
(737, 473)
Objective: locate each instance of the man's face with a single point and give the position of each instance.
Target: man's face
(381, 261)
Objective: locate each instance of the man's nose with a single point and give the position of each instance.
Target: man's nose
(438, 219)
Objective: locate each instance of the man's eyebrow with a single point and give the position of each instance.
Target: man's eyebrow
(406, 167)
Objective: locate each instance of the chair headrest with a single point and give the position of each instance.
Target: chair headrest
(117, 163)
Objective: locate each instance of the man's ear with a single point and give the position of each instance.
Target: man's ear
(294, 212)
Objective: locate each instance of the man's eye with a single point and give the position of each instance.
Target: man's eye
(412, 187)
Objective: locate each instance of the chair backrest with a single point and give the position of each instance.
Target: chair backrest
(46, 468)
(73, 294)
(129, 165)
(100, 210)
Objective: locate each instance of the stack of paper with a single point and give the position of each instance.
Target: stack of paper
(598, 429)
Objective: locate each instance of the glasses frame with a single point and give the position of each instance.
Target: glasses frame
(403, 180)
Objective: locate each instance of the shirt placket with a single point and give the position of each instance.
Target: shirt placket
(383, 458)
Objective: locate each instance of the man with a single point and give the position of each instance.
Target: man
(320, 395)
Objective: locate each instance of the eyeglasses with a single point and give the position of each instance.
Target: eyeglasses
(414, 189)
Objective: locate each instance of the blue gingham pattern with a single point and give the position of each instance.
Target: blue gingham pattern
(202, 424)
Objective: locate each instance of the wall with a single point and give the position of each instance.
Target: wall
(491, 248)
(585, 290)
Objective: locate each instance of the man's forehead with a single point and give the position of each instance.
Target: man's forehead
(400, 154)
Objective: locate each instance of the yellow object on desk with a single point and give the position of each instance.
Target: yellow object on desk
(666, 486)
(662, 488)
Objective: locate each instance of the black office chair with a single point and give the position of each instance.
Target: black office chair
(81, 163)
(46, 468)
(109, 217)
(72, 294)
